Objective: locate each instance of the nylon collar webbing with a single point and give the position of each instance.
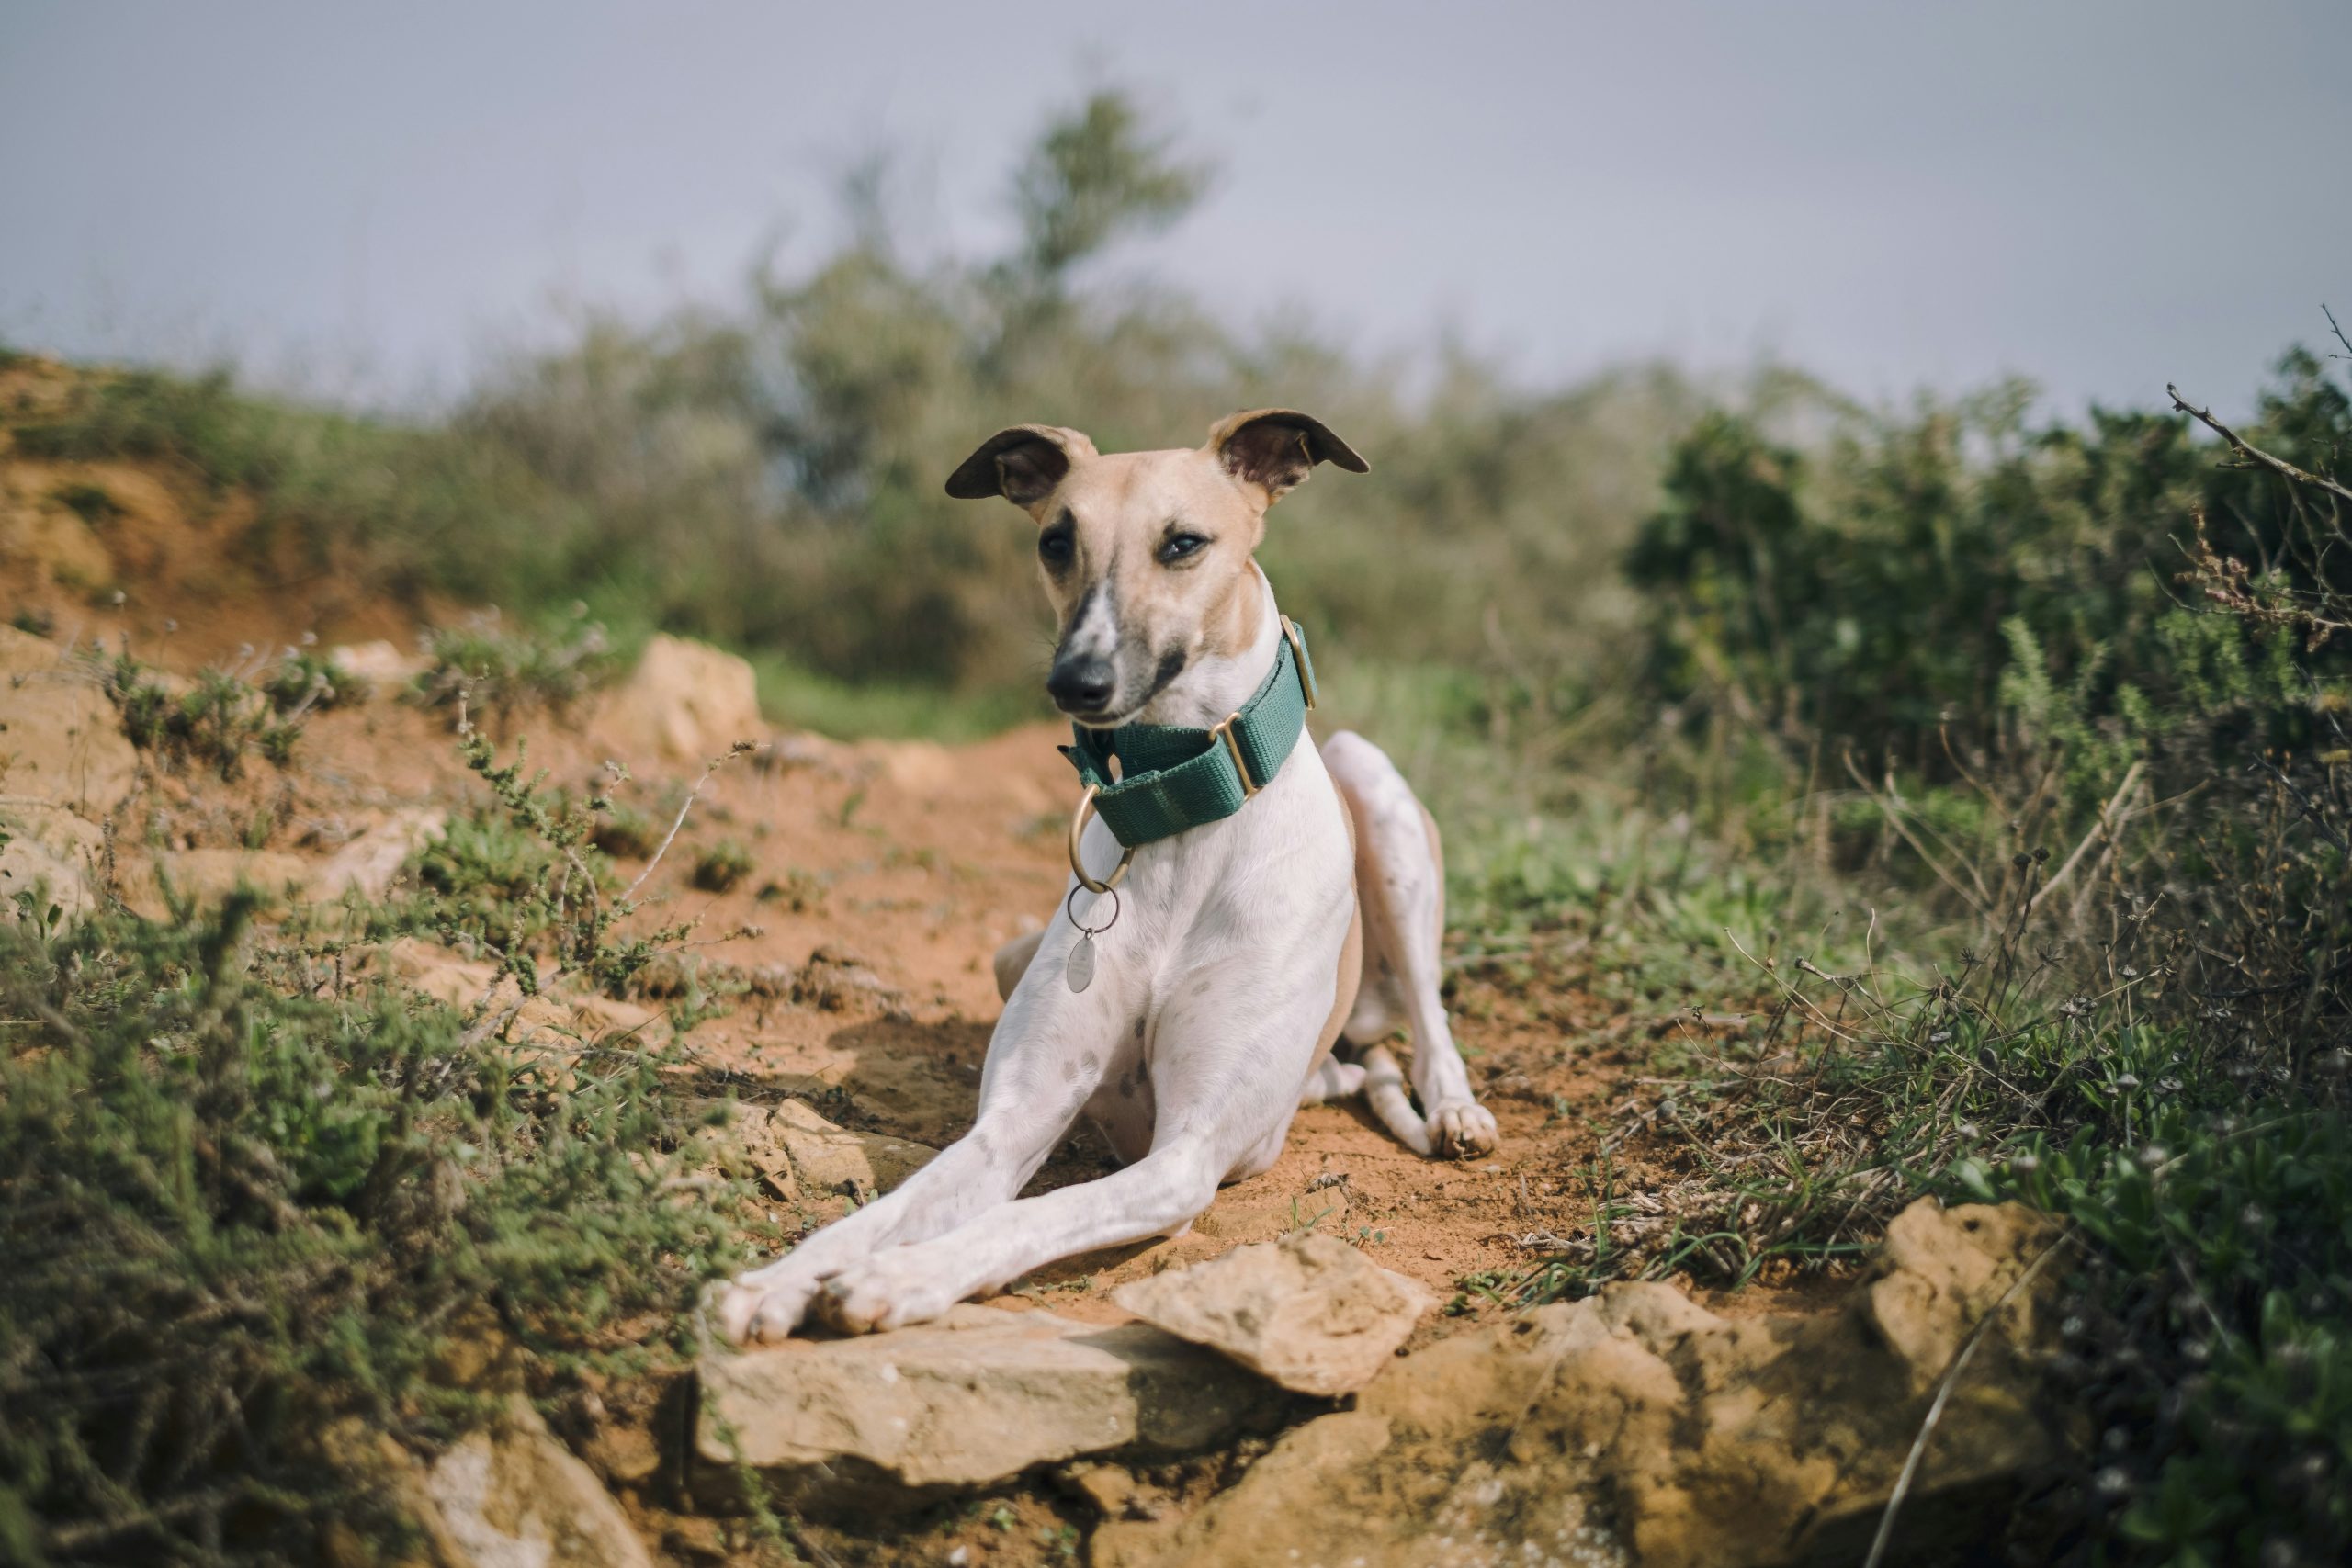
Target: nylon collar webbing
(1173, 777)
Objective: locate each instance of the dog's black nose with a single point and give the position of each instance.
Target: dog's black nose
(1080, 685)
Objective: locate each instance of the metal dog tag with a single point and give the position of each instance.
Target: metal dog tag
(1079, 970)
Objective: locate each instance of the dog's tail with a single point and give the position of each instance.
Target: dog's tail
(1383, 1091)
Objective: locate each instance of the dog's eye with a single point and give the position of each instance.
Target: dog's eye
(1054, 547)
(1176, 547)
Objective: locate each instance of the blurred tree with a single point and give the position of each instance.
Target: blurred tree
(1095, 176)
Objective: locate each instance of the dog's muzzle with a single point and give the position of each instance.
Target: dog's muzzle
(1082, 684)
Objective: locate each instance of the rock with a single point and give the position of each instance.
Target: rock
(204, 877)
(1636, 1428)
(517, 1498)
(684, 703)
(804, 749)
(751, 1148)
(61, 739)
(50, 852)
(1310, 1311)
(625, 1427)
(548, 1017)
(697, 1540)
(835, 979)
(1109, 1487)
(975, 1398)
(624, 1454)
(1937, 1272)
(1134, 1519)
(367, 863)
(771, 980)
(797, 1152)
(381, 664)
(510, 1496)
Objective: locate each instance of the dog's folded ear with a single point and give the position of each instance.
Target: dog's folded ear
(1274, 449)
(1022, 464)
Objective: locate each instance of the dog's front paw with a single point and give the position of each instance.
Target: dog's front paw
(889, 1291)
(1460, 1128)
(765, 1305)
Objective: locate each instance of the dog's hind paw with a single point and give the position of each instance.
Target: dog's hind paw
(1460, 1128)
(891, 1291)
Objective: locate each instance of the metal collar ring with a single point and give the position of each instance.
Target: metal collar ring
(1078, 866)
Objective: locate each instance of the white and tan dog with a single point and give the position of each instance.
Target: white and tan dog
(1245, 947)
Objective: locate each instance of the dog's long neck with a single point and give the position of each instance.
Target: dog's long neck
(1219, 682)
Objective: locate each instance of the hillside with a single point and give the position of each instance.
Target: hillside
(1907, 963)
(190, 712)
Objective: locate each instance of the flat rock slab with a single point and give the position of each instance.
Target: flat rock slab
(974, 1399)
(1311, 1312)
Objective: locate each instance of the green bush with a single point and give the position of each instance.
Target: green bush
(302, 681)
(1923, 583)
(626, 833)
(91, 503)
(217, 721)
(497, 672)
(238, 1209)
(721, 867)
(522, 881)
(486, 877)
(2093, 662)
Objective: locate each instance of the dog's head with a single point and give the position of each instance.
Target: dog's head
(1145, 555)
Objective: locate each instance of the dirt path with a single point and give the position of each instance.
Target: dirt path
(901, 868)
(928, 858)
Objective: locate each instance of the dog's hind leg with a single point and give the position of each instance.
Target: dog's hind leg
(1384, 1092)
(1013, 961)
(1334, 1079)
(1400, 884)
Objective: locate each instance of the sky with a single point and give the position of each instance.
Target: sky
(367, 203)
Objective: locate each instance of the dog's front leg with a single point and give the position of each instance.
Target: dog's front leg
(1225, 1070)
(1157, 1194)
(768, 1304)
(1045, 1060)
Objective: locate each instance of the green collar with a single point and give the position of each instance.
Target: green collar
(1173, 777)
